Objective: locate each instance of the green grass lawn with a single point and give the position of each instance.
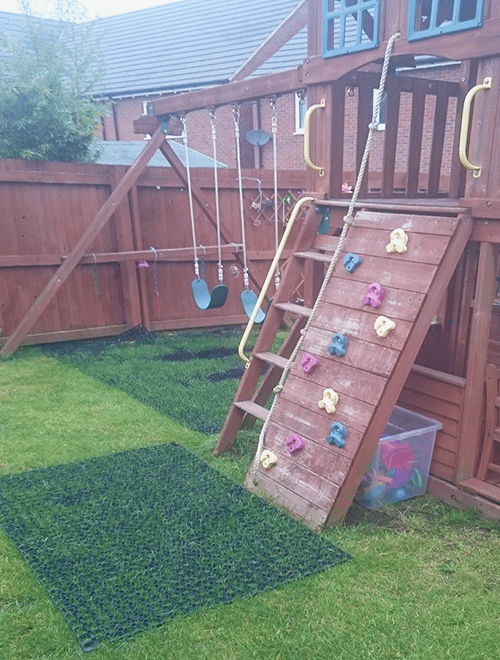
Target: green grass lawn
(424, 582)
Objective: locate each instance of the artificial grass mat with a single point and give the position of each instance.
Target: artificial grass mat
(127, 541)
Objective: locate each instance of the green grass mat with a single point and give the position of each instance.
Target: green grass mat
(126, 541)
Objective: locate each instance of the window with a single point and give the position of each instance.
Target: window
(349, 26)
(430, 18)
(300, 112)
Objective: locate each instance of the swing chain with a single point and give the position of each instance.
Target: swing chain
(274, 118)
(246, 278)
(236, 117)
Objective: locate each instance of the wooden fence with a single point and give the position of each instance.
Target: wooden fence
(140, 267)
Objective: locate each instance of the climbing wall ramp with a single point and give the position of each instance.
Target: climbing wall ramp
(317, 482)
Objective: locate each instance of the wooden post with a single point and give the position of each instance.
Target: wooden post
(478, 355)
(83, 244)
(128, 269)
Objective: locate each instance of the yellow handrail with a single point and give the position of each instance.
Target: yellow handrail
(269, 276)
(307, 137)
(464, 127)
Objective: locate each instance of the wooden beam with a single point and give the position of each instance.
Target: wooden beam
(102, 217)
(478, 353)
(125, 242)
(292, 24)
(236, 92)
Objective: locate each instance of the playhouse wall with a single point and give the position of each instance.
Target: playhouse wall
(440, 397)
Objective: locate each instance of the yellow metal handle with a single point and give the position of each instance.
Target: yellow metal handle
(307, 137)
(269, 276)
(464, 127)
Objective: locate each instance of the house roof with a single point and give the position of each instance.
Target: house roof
(182, 45)
(186, 44)
(125, 152)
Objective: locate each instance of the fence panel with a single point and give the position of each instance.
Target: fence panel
(140, 267)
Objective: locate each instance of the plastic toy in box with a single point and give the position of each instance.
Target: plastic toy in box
(400, 466)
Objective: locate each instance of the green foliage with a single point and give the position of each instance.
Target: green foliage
(45, 110)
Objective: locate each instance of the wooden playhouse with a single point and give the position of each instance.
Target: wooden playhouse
(417, 319)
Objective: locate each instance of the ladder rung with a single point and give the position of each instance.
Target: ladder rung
(314, 256)
(493, 467)
(272, 358)
(253, 408)
(300, 310)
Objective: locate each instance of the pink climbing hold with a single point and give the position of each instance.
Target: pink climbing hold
(374, 295)
(309, 362)
(294, 442)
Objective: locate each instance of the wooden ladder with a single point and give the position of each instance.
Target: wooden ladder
(317, 483)
(304, 267)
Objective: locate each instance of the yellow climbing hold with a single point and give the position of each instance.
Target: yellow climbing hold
(399, 241)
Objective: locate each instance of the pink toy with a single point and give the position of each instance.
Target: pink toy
(294, 442)
(309, 362)
(374, 295)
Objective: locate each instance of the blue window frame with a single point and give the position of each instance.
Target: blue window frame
(349, 26)
(430, 18)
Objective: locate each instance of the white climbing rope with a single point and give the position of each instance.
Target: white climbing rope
(220, 267)
(190, 195)
(348, 222)
(236, 117)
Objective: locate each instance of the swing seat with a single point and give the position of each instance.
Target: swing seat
(249, 300)
(205, 299)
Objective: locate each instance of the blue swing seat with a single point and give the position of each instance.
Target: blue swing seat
(249, 300)
(205, 299)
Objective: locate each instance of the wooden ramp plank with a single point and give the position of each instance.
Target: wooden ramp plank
(370, 377)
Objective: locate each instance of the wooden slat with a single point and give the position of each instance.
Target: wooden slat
(252, 408)
(292, 308)
(391, 136)
(343, 377)
(314, 256)
(437, 145)
(482, 488)
(361, 353)
(422, 248)
(403, 306)
(478, 349)
(272, 358)
(416, 132)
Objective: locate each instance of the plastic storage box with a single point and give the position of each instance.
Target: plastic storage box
(400, 466)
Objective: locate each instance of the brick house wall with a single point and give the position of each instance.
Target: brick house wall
(118, 124)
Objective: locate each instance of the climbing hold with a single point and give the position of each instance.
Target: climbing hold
(268, 459)
(337, 435)
(329, 400)
(309, 362)
(399, 241)
(294, 442)
(374, 295)
(383, 326)
(324, 225)
(351, 262)
(338, 345)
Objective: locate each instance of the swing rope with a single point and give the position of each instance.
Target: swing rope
(274, 129)
(220, 267)
(190, 195)
(236, 118)
(348, 222)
